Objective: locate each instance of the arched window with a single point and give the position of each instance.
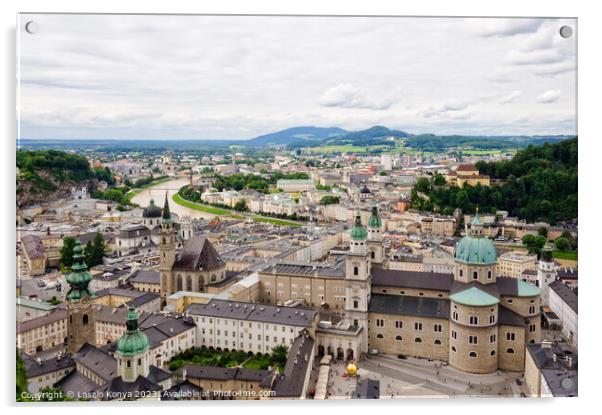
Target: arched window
(189, 283)
(372, 254)
(493, 353)
(453, 348)
(85, 320)
(475, 275)
(437, 342)
(128, 363)
(532, 341)
(510, 350)
(488, 274)
(379, 336)
(472, 354)
(163, 240)
(418, 340)
(179, 283)
(213, 277)
(356, 271)
(461, 273)
(398, 338)
(139, 362)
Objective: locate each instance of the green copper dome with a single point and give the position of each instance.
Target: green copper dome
(358, 232)
(79, 277)
(474, 248)
(133, 341)
(374, 221)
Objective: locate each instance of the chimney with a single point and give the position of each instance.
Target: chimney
(554, 358)
(39, 361)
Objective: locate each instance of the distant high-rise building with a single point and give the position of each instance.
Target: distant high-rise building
(386, 161)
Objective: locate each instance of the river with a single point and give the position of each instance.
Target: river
(157, 192)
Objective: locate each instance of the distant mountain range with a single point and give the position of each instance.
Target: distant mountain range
(309, 136)
(296, 135)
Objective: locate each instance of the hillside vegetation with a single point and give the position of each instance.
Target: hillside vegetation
(538, 184)
(48, 174)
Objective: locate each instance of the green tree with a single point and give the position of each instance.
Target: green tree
(67, 252)
(543, 231)
(279, 355)
(96, 251)
(241, 206)
(21, 378)
(383, 173)
(562, 244)
(439, 180)
(329, 200)
(423, 185)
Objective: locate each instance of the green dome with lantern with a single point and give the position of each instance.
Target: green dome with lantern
(374, 220)
(358, 231)
(79, 278)
(133, 342)
(474, 248)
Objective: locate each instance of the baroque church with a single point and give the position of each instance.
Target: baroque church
(471, 319)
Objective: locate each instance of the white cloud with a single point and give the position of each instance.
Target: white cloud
(349, 96)
(211, 77)
(511, 97)
(491, 27)
(549, 96)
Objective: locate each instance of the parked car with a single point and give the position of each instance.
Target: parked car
(41, 283)
(373, 352)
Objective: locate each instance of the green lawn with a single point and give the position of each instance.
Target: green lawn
(570, 255)
(198, 206)
(223, 212)
(481, 152)
(282, 222)
(208, 357)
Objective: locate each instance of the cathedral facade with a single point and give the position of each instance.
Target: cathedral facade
(196, 267)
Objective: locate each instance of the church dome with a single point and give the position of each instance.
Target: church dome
(374, 221)
(152, 210)
(475, 249)
(133, 342)
(358, 232)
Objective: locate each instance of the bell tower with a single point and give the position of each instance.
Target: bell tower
(80, 311)
(546, 274)
(375, 237)
(167, 250)
(132, 350)
(357, 291)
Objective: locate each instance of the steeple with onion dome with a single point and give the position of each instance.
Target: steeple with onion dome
(132, 350)
(358, 231)
(79, 278)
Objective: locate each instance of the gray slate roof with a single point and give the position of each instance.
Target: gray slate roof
(567, 295)
(198, 254)
(412, 279)
(409, 306)
(265, 313)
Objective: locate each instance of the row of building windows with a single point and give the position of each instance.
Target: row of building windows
(492, 353)
(437, 328)
(475, 274)
(399, 338)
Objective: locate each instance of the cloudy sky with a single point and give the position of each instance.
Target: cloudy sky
(210, 77)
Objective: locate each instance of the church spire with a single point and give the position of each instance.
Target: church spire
(166, 211)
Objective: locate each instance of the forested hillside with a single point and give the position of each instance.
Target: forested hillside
(538, 184)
